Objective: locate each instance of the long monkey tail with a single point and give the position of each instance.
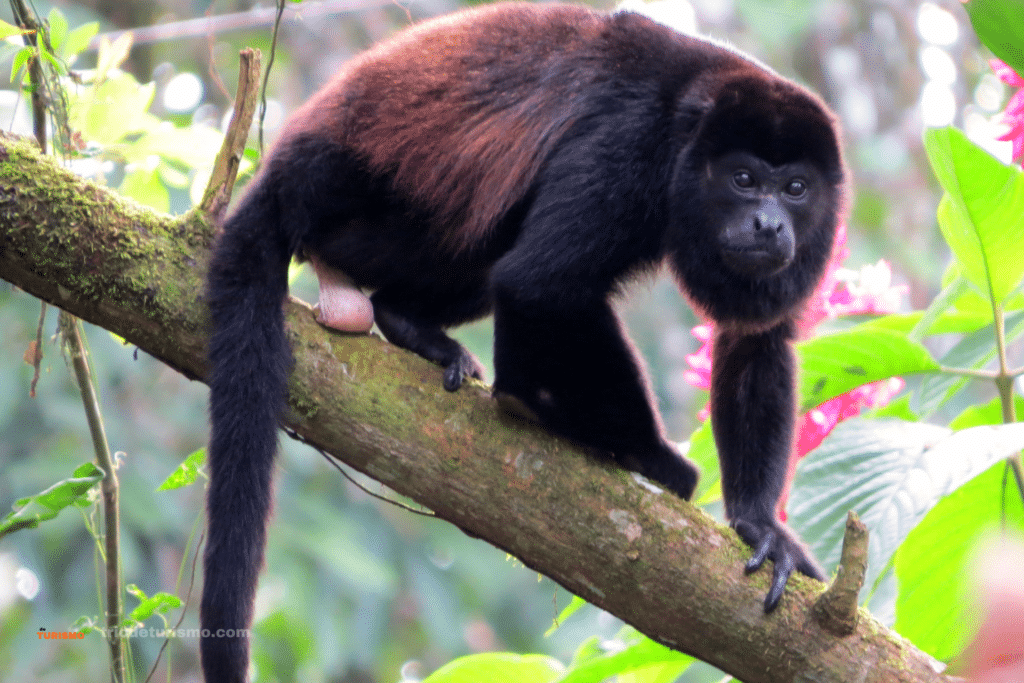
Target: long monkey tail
(249, 363)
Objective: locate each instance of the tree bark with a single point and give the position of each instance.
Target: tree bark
(620, 542)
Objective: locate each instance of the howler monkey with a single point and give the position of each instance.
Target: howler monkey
(526, 160)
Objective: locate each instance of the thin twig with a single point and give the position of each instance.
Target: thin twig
(337, 466)
(238, 21)
(270, 64)
(37, 351)
(969, 372)
(71, 331)
(212, 71)
(1004, 380)
(225, 168)
(184, 611)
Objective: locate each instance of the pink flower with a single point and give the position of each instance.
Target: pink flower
(869, 290)
(841, 292)
(1013, 116)
(699, 374)
(1006, 74)
(817, 308)
(817, 423)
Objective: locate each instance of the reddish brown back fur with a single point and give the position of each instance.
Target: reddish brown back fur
(489, 128)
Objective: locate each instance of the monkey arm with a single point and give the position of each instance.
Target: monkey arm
(753, 414)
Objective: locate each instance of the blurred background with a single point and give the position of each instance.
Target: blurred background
(356, 590)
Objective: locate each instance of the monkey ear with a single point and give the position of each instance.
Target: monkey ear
(343, 306)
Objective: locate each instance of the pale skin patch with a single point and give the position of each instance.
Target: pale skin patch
(343, 306)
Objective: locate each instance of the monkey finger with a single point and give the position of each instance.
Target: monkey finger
(453, 376)
(466, 365)
(761, 552)
(783, 568)
(810, 568)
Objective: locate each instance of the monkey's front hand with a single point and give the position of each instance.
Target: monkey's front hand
(772, 540)
(464, 365)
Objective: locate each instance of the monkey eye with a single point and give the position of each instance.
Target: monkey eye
(796, 188)
(743, 179)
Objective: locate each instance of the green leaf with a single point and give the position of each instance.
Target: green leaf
(20, 59)
(973, 351)
(704, 454)
(836, 363)
(638, 657)
(57, 66)
(8, 30)
(287, 643)
(587, 650)
(891, 473)
(194, 147)
(946, 299)
(112, 54)
(58, 28)
(990, 413)
(574, 606)
(106, 113)
(958, 321)
(31, 511)
(934, 609)
(982, 214)
(150, 605)
(898, 408)
(78, 39)
(499, 667)
(999, 25)
(186, 473)
(144, 186)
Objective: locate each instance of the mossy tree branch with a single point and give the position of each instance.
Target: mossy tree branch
(642, 554)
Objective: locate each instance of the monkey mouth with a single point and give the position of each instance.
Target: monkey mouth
(755, 261)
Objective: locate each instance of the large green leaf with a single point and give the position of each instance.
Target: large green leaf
(8, 30)
(975, 350)
(635, 659)
(934, 609)
(107, 112)
(891, 473)
(946, 323)
(982, 214)
(836, 363)
(703, 452)
(499, 667)
(990, 413)
(30, 512)
(1000, 25)
(144, 186)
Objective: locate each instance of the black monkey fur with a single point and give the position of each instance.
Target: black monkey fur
(526, 160)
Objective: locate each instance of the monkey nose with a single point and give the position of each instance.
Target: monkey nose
(769, 219)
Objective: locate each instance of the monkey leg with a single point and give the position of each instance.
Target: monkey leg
(577, 372)
(416, 322)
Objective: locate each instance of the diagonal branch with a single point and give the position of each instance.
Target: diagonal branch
(642, 554)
